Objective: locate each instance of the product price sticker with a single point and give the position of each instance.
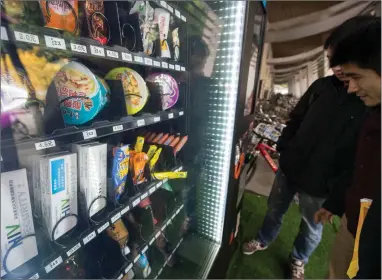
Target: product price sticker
(145, 249)
(88, 134)
(124, 210)
(152, 190)
(130, 266)
(177, 211)
(156, 119)
(115, 217)
(35, 276)
(53, 264)
(4, 34)
(120, 276)
(141, 122)
(112, 54)
(171, 115)
(164, 180)
(177, 13)
(182, 68)
(183, 18)
(143, 196)
(173, 216)
(103, 227)
(171, 66)
(152, 241)
(163, 227)
(26, 37)
(181, 113)
(156, 63)
(117, 128)
(137, 258)
(178, 169)
(89, 237)
(97, 50)
(158, 185)
(177, 67)
(78, 48)
(163, 4)
(138, 58)
(164, 64)
(148, 61)
(136, 202)
(45, 145)
(168, 222)
(181, 207)
(127, 56)
(171, 9)
(157, 235)
(74, 249)
(55, 43)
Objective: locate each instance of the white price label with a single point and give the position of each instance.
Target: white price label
(158, 185)
(151, 241)
(88, 134)
(156, 63)
(182, 68)
(127, 56)
(156, 119)
(170, 8)
(115, 217)
(97, 51)
(53, 264)
(136, 202)
(178, 169)
(164, 227)
(26, 37)
(181, 207)
(143, 196)
(124, 210)
(138, 58)
(157, 234)
(137, 258)
(117, 128)
(183, 18)
(130, 266)
(152, 190)
(148, 61)
(168, 222)
(171, 115)
(75, 248)
(140, 122)
(45, 145)
(164, 64)
(112, 54)
(35, 276)
(177, 211)
(181, 113)
(120, 276)
(145, 249)
(173, 216)
(163, 4)
(55, 43)
(78, 48)
(89, 237)
(177, 67)
(165, 180)
(177, 13)
(103, 227)
(4, 34)
(171, 66)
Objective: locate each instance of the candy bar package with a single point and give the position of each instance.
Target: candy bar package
(16, 220)
(58, 179)
(92, 167)
(120, 169)
(97, 23)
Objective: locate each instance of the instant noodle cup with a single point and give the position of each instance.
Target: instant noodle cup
(166, 86)
(134, 87)
(80, 93)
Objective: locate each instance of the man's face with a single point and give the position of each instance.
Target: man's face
(337, 70)
(366, 83)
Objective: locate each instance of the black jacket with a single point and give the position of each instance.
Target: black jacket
(317, 147)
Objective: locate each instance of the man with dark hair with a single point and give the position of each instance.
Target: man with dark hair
(317, 149)
(359, 54)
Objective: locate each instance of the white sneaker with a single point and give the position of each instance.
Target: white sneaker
(252, 246)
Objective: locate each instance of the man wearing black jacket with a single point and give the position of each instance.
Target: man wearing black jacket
(316, 155)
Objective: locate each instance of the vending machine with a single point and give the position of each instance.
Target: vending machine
(120, 124)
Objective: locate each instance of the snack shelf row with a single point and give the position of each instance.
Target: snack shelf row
(97, 129)
(56, 259)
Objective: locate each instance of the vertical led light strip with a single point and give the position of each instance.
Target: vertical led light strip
(222, 96)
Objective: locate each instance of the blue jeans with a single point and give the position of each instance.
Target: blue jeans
(309, 235)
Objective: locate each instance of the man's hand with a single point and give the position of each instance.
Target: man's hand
(322, 216)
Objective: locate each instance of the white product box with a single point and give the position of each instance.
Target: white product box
(16, 220)
(92, 166)
(58, 180)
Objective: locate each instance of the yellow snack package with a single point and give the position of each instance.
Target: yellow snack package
(151, 151)
(170, 175)
(139, 144)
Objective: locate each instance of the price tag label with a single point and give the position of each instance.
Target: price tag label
(88, 134)
(178, 169)
(177, 211)
(112, 54)
(157, 234)
(168, 222)
(173, 216)
(89, 237)
(75, 248)
(177, 67)
(130, 266)
(183, 18)
(78, 48)
(120, 276)
(143, 196)
(97, 51)
(181, 113)
(171, 66)
(182, 68)
(55, 43)
(118, 128)
(164, 180)
(151, 241)
(145, 249)
(156, 119)
(4, 34)
(148, 61)
(136, 202)
(103, 227)
(26, 37)
(152, 190)
(115, 217)
(35, 276)
(181, 207)
(140, 122)
(138, 59)
(158, 185)
(156, 63)
(45, 145)
(164, 64)
(177, 13)
(53, 264)
(170, 8)
(124, 210)
(171, 115)
(127, 56)
(164, 227)
(137, 258)
(163, 4)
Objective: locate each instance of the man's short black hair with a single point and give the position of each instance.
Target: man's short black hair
(361, 47)
(345, 29)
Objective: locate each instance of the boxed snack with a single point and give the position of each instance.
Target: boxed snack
(16, 220)
(58, 180)
(92, 165)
